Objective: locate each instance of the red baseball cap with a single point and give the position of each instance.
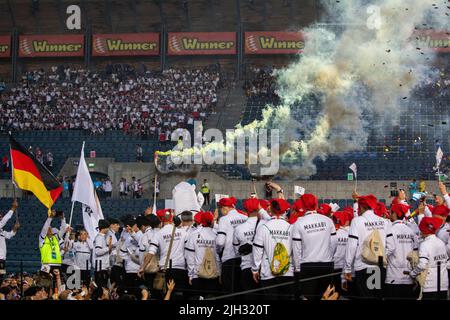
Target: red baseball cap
(164, 215)
(264, 203)
(381, 210)
(227, 202)
(279, 206)
(324, 209)
(206, 218)
(440, 210)
(310, 202)
(400, 209)
(251, 205)
(429, 225)
(340, 218)
(368, 201)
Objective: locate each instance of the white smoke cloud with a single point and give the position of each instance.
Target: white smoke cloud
(355, 72)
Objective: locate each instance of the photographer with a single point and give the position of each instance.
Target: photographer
(6, 235)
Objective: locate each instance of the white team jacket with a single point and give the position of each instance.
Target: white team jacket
(5, 234)
(101, 250)
(404, 241)
(225, 233)
(83, 255)
(267, 236)
(242, 235)
(432, 250)
(145, 242)
(160, 243)
(195, 248)
(360, 228)
(313, 239)
(130, 246)
(341, 240)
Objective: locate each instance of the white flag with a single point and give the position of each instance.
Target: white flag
(299, 190)
(353, 168)
(334, 207)
(84, 192)
(439, 155)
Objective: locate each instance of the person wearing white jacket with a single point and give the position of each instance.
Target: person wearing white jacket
(267, 267)
(162, 242)
(195, 249)
(243, 243)
(83, 256)
(342, 221)
(102, 249)
(361, 228)
(399, 285)
(129, 252)
(230, 219)
(313, 246)
(6, 235)
(432, 252)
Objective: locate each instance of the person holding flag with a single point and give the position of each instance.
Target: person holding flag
(50, 243)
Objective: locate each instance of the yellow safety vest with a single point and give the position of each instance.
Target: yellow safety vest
(205, 189)
(50, 253)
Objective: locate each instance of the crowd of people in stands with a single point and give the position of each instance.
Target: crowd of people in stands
(265, 247)
(262, 83)
(146, 104)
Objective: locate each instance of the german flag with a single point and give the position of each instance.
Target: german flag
(29, 174)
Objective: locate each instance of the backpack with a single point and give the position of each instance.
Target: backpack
(281, 260)
(373, 248)
(153, 265)
(208, 267)
(413, 258)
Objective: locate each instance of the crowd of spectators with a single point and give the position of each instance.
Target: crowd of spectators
(39, 286)
(143, 103)
(261, 83)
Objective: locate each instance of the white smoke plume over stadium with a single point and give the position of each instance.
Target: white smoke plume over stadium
(364, 69)
(362, 72)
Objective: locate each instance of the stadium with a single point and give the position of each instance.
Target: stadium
(129, 129)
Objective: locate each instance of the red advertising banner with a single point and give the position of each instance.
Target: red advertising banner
(201, 43)
(125, 44)
(267, 42)
(71, 45)
(5, 46)
(434, 40)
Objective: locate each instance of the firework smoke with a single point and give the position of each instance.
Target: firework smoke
(363, 70)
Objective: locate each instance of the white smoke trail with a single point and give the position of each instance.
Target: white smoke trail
(368, 68)
(360, 71)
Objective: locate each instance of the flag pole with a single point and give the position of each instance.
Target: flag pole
(71, 213)
(154, 193)
(12, 179)
(73, 202)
